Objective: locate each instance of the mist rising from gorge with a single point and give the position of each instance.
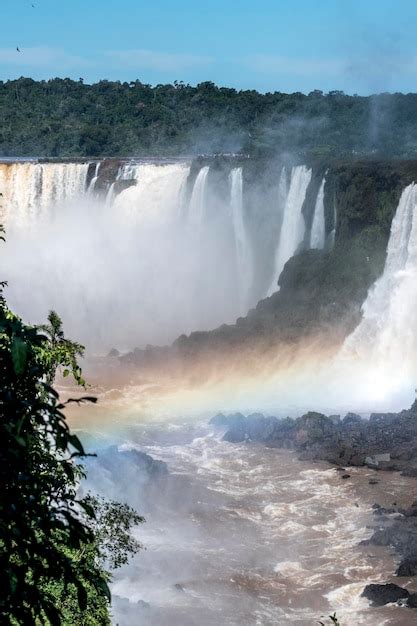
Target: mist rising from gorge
(172, 248)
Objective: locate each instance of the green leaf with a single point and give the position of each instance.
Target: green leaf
(65, 373)
(101, 584)
(74, 441)
(87, 508)
(19, 355)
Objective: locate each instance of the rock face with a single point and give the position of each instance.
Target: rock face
(120, 461)
(123, 474)
(384, 594)
(384, 442)
(412, 601)
(407, 567)
(397, 528)
(321, 291)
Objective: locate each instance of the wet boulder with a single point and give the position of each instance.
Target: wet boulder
(314, 427)
(121, 461)
(412, 601)
(407, 567)
(380, 594)
(352, 420)
(219, 421)
(260, 428)
(236, 432)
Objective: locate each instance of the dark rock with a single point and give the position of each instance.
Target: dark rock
(352, 419)
(407, 567)
(379, 594)
(179, 587)
(219, 420)
(345, 476)
(410, 471)
(113, 353)
(260, 428)
(373, 481)
(122, 462)
(335, 419)
(235, 435)
(237, 428)
(412, 601)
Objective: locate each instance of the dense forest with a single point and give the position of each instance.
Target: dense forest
(66, 118)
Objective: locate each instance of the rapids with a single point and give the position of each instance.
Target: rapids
(249, 535)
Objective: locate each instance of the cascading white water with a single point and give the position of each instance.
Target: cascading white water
(123, 272)
(386, 338)
(30, 189)
(93, 181)
(156, 195)
(318, 231)
(244, 260)
(293, 225)
(282, 189)
(197, 208)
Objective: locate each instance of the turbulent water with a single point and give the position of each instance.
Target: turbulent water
(250, 536)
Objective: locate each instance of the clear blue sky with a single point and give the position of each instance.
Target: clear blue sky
(359, 46)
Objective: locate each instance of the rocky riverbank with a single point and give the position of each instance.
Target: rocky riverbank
(384, 442)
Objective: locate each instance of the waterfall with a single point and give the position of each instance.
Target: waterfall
(129, 272)
(386, 337)
(93, 181)
(29, 189)
(157, 194)
(282, 189)
(197, 207)
(293, 225)
(244, 262)
(318, 231)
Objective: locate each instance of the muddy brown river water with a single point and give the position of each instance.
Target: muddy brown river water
(247, 535)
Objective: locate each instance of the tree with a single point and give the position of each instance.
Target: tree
(63, 118)
(53, 542)
(60, 352)
(112, 547)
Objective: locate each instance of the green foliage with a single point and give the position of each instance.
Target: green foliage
(55, 546)
(66, 118)
(333, 620)
(42, 521)
(67, 605)
(60, 352)
(111, 525)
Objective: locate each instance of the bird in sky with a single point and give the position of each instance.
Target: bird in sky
(17, 48)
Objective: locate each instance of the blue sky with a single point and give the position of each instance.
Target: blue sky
(358, 46)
